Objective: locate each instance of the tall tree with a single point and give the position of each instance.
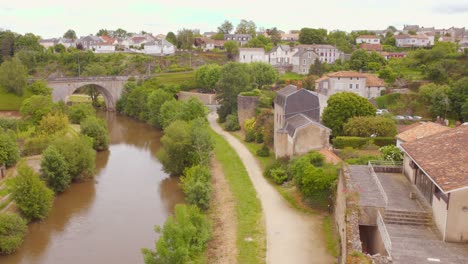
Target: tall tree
(246, 27)
(7, 45)
(102, 32)
(312, 36)
(70, 34)
(226, 27)
(231, 49)
(185, 39)
(13, 76)
(275, 35)
(120, 33)
(171, 37)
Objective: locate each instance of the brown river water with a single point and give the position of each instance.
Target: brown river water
(108, 219)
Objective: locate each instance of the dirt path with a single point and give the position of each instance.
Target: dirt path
(292, 236)
(222, 246)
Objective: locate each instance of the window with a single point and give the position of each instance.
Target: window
(304, 62)
(350, 86)
(357, 86)
(308, 55)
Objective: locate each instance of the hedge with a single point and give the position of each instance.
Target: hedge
(359, 142)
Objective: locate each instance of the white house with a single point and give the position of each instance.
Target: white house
(104, 48)
(47, 43)
(161, 47)
(290, 36)
(413, 41)
(326, 53)
(247, 55)
(363, 84)
(280, 55)
(369, 39)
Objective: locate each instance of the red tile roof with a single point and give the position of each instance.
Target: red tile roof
(368, 37)
(371, 47)
(443, 157)
(421, 131)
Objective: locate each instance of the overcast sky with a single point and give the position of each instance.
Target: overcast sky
(51, 18)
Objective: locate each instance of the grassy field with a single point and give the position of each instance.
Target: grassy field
(10, 101)
(251, 239)
(291, 76)
(176, 77)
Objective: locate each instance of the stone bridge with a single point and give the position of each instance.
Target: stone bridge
(109, 86)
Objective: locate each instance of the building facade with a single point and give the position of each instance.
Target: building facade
(241, 39)
(363, 84)
(248, 55)
(369, 39)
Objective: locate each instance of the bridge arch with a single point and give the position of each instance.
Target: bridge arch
(110, 88)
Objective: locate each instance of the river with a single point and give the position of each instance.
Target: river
(108, 219)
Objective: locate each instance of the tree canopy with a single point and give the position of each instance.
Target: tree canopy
(70, 34)
(246, 27)
(226, 27)
(13, 76)
(312, 36)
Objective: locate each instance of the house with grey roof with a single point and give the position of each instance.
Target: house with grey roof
(297, 123)
(280, 55)
(241, 39)
(159, 47)
(302, 60)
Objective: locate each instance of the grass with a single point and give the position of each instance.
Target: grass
(10, 101)
(291, 76)
(330, 236)
(176, 77)
(250, 222)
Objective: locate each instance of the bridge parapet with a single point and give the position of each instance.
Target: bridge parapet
(89, 79)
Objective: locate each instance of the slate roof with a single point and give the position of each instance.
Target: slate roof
(297, 121)
(296, 101)
(421, 131)
(368, 37)
(443, 157)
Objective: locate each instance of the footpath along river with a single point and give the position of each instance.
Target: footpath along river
(110, 218)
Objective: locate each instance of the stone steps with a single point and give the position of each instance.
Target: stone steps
(407, 218)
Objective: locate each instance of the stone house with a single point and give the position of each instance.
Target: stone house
(437, 166)
(90, 42)
(408, 41)
(290, 37)
(280, 55)
(421, 130)
(241, 39)
(47, 43)
(297, 129)
(302, 60)
(369, 39)
(364, 84)
(248, 55)
(159, 47)
(326, 53)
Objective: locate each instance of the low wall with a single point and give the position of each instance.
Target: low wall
(388, 169)
(208, 99)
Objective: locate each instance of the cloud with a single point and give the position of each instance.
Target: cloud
(452, 8)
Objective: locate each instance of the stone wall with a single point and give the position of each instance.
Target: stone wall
(246, 108)
(207, 99)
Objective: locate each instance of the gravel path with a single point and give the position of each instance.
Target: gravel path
(292, 236)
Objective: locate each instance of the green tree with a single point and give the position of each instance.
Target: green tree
(171, 37)
(7, 45)
(262, 74)
(437, 73)
(54, 170)
(231, 49)
(197, 186)
(366, 126)
(202, 143)
(226, 27)
(185, 39)
(70, 34)
(234, 79)
(317, 68)
(170, 111)
(40, 88)
(458, 97)
(175, 154)
(79, 155)
(391, 153)
(13, 229)
(96, 129)
(120, 33)
(9, 153)
(359, 60)
(436, 97)
(343, 106)
(246, 27)
(183, 237)
(207, 76)
(13, 76)
(35, 107)
(274, 35)
(78, 112)
(341, 40)
(155, 100)
(387, 74)
(312, 36)
(53, 124)
(192, 109)
(30, 194)
(102, 32)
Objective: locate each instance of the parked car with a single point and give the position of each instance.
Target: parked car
(417, 117)
(399, 117)
(381, 111)
(408, 117)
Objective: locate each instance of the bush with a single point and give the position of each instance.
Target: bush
(9, 153)
(391, 153)
(196, 185)
(384, 141)
(366, 126)
(363, 160)
(353, 142)
(183, 237)
(78, 112)
(232, 123)
(278, 175)
(35, 107)
(30, 194)
(96, 129)
(54, 170)
(53, 123)
(10, 124)
(264, 151)
(35, 145)
(12, 231)
(39, 88)
(79, 155)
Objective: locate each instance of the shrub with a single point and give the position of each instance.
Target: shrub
(53, 123)
(36, 106)
(176, 153)
(96, 129)
(366, 126)
(363, 160)
(278, 175)
(78, 112)
(354, 142)
(264, 151)
(183, 237)
(30, 194)
(391, 153)
(39, 88)
(196, 185)
(79, 155)
(12, 231)
(35, 145)
(54, 170)
(384, 141)
(232, 123)
(10, 124)
(9, 153)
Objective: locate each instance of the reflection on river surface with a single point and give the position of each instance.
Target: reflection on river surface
(108, 219)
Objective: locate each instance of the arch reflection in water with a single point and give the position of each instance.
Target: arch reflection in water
(108, 219)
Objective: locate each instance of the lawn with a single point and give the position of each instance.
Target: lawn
(291, 76)
(251, 238)
(10, 101)
(176, 77)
